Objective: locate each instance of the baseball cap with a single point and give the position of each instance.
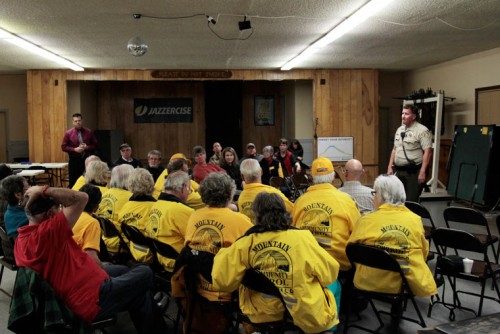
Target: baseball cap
(180, 156)
(124, 145)
(250, 145)
(41, 205)
(322, 166)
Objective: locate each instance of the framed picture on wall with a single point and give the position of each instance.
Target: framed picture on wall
(263, 110)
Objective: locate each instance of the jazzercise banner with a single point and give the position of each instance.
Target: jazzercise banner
(174, 110)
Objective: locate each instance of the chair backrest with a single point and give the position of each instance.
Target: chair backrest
(257, 281)
(372, 256)
(277, 182)
(421, 211)
(300, 180)
(109, 229)
(8, 248)
(464, 216)
(164, 249)
(457, 239)
(133, 234)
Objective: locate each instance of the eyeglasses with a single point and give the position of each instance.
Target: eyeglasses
(373, 192)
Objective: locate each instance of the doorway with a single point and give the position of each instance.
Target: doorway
(223, 105)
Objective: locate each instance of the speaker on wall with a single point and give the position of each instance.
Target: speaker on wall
(108, 143)
(474, 166)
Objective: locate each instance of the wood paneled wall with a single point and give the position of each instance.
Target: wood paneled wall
(344, 101)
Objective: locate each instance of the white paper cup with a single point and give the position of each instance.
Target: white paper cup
(468, 265)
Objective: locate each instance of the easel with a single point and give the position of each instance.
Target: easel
(434, 182)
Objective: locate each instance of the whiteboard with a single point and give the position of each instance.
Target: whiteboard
(336, 148)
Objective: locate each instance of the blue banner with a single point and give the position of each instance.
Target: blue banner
(172, 110)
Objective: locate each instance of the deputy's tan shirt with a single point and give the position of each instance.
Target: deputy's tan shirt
(417, 139)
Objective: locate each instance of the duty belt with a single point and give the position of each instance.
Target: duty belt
(407, 168)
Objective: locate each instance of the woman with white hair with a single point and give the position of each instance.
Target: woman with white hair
(136, 211)
(97, 174)
(113, 200)
(271, 167)
(399, 231)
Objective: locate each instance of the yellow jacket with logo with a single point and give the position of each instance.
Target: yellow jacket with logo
(168, 219)
(297, 265)
(211, 229)
(111, 203)
(401, 233)
(330, 216)
(251, 190)
(136, 213)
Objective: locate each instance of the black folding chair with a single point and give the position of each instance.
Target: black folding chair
(379, 258)
(7, 260)
(257, 281)
(421, 211)
(458, 216)
(109, 230)
(447, 239)
(137, 239)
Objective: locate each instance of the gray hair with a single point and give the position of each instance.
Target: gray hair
(328, 178)
(91, 158)
(119, 176)
(140, 182)
(217, 190)
(269, 149)
(97, 171)
(175, 181)
(389, 189)
(250, 170)
(154, 152)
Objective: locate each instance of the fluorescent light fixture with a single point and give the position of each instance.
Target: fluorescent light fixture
(345, 26)
(8, 37)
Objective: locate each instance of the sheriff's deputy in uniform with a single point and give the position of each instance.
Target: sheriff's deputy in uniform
(411, 154)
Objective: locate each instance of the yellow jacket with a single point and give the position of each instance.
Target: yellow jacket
(330, 216)
(400, 232)
(299, 267)
(251, 190)
(136, 213)
(194, 199)
(112, 202)
(168, 219)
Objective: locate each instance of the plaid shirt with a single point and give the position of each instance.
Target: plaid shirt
(361, 194)
(36, 308)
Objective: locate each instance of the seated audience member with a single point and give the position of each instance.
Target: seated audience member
(81, 180)
(217, 156)
(287, 159)
(298, 152)
(168, 217)
(194, 199)
(328, 213)
(229, 162)
(4, 172)
(208, 230)
(87, 231)
(363, 196)
(160, 181)
(12, 189)
(400, 232)
(251, 153)
(252, 173)
(283, 254)
(97, 174)
(126, 157)
(271, 167)
(202, 169)
(136, 211)
(154, 164)
(46, 246)
(113, 200)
